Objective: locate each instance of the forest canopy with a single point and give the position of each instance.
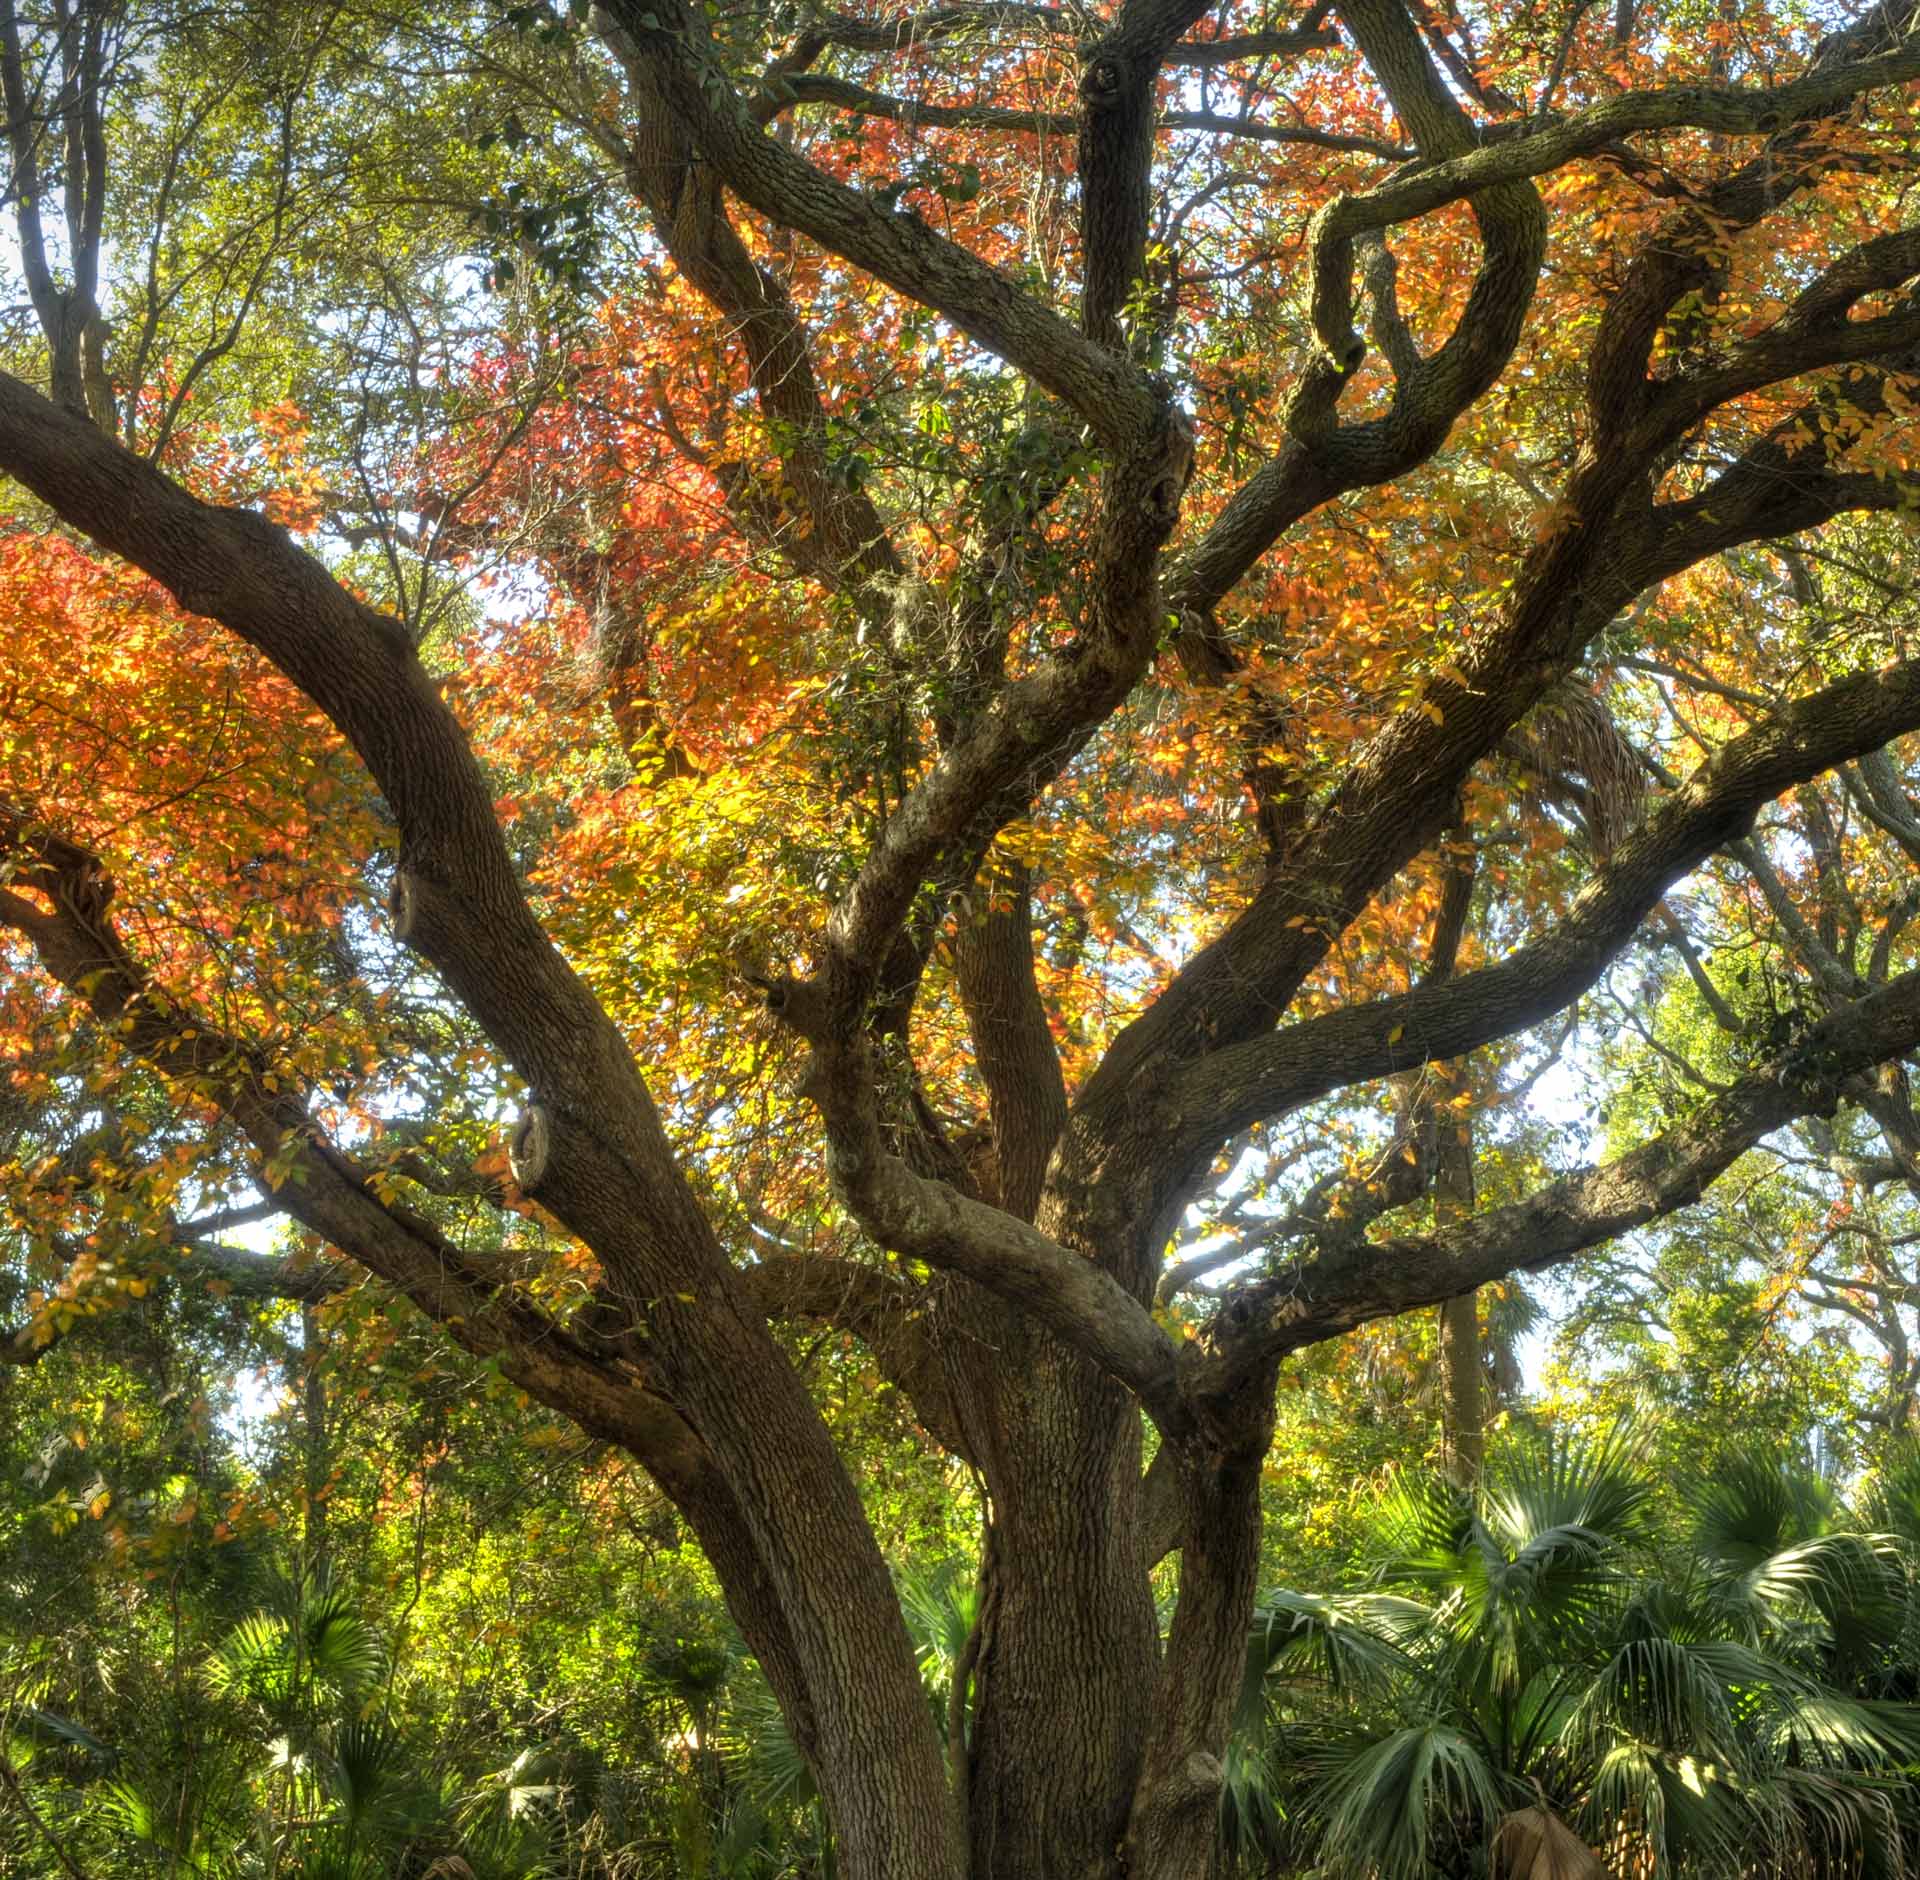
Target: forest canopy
(959, 943)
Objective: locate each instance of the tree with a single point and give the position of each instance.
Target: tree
(1166, 503)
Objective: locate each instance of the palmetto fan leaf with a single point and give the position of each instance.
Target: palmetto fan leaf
(374, 1781)
(1385, 1812)
(758, 1744)
(343, 1650)
(1755, 1506)
(1536, 1551)
(1780, 1571)
(1597, 1487)
(193, 1825)
(321, 1646)
(1424, 1530)
(1826, 1730)
(1661, 1691)
(939, 1607)
(1352, 1645)
(337, 1854)
(1817, 1822)
(1314, 1656)
(1892, 1503)
(1558, 1520)
(255, 1661)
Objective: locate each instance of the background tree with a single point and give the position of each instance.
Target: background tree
(975, 583)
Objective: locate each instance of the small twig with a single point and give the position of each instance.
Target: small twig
(1558, 69)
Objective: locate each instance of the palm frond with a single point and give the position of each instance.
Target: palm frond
(939, 1607)
(1390, 1807)
(343, 1651)
(1661, 1691)
(1354, 1645)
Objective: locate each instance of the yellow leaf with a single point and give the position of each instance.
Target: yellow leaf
(1396, 1034)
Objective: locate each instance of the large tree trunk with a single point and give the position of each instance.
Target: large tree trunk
(1068, 1659)
(1174, 1831)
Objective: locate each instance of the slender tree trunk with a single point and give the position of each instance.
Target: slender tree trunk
(318, 1455)
(1461, 1371)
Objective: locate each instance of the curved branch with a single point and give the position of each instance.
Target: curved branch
(1323, 459)
(888, 1314)
(1733, 111)
(1815, 331)
(1267, 1076)
(1080, 1304)
(843, 93)
(844, 542)
(1688, 253)
(1119, 83)
(1013, 1044)
(600, 1391)
(667, 41)
(1052, 23)
(1397, 790)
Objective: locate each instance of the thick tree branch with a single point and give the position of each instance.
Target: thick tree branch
(1816, 331)
(606, 1169)
(670, 45)
(600, 1391)
(1323, 1298)
(68, 316)
(1323, 459)
(838, 536)
(1397, 790)
(1012, 1040)
(1268, 1076)
(1072, 1297)
(1338, 1209)
(915, 31)
(1729, 112)
(1118, 87)
(1688, 254)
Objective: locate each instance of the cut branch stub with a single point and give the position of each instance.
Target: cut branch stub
(1103, 82)
(403, 905)
(422, 912)
(799, 1004)
(528, 1149)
